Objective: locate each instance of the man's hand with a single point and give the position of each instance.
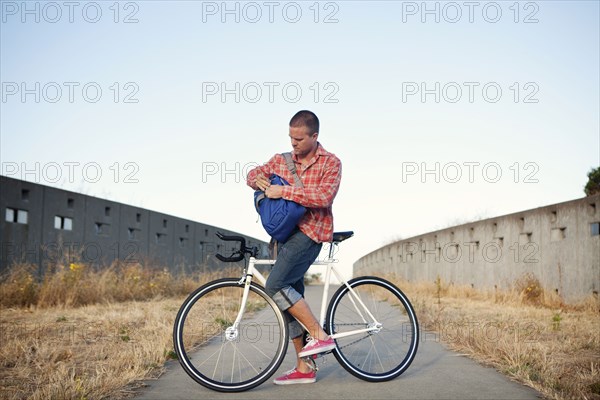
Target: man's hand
(262, 182)
(271, 191)
(274, 192)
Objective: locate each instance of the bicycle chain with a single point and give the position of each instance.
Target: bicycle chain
(312, 362)
(357, 340)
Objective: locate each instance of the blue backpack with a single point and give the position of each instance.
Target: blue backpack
(279, 217)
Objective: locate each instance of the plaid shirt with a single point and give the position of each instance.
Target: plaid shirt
(321, 179)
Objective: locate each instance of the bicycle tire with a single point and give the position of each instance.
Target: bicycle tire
(380, 355)
(234, 363)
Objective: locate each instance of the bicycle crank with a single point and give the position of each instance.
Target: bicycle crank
(311, 361)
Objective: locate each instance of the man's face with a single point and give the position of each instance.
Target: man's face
(303, 141)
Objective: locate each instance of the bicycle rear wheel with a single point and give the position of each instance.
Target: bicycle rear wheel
(220, 357)
(383, 353)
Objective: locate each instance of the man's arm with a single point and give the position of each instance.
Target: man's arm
(257, 178)
(317, 194)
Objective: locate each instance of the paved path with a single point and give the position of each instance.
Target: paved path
(436, 373)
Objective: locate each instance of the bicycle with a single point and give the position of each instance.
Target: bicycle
(230, 336)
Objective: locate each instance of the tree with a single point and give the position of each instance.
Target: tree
(593, 185)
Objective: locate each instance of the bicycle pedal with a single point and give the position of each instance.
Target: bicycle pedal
(322, 355)
(310, 361)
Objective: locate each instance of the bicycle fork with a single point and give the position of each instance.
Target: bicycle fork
(232, 332)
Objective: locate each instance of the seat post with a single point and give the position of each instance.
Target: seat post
(331, 249)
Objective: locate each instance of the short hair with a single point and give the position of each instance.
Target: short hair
(305, 118)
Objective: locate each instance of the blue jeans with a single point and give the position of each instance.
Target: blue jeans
(285, 283)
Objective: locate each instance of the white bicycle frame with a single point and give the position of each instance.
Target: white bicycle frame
(372, 325)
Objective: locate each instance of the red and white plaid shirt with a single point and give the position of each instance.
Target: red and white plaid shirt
(321, 179)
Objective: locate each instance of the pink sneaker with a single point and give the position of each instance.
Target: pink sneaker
(294, 376)
(315, 346)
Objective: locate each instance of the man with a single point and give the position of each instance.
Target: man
(320, 173)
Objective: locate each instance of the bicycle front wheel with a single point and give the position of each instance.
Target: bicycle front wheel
(387, 349)
(219, 355)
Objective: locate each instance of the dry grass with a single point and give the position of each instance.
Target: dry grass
(526, 333)
(82, 334)
(76, 284)
(85, 334)
(90, 352)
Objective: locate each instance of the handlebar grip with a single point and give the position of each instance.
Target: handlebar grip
(232, 238)
(240, 252)
(230, 259)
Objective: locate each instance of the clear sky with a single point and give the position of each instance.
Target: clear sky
(441, 112)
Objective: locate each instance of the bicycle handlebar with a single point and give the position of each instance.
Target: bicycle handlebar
(237, 255)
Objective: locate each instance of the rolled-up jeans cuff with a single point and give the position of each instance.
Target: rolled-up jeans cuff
(286, 297)
(295, 329)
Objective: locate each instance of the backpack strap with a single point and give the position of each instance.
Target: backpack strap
(257, 200)
(292, 168)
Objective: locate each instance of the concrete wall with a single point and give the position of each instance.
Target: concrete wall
(559, 244)
(41, 224)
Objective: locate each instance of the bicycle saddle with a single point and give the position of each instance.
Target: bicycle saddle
(341, 236)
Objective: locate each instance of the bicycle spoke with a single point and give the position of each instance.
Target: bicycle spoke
(217, 363)
(386, 353)
(230, 359)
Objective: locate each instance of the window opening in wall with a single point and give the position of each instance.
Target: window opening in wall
(592, 208)
(102, 229)
(161, 238)
(557, 234)
(17, 216)
(138, 217)
(9, 215)
(107, 211)
(595, 228)
(187, 228)
(182, 242)
(22, 217)
(553, 216)
(63, 223)
(133, 234)
(455, 253)
(525, 237)
(25, 194)
(164, 223)
(70, 203)
(206, 232)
